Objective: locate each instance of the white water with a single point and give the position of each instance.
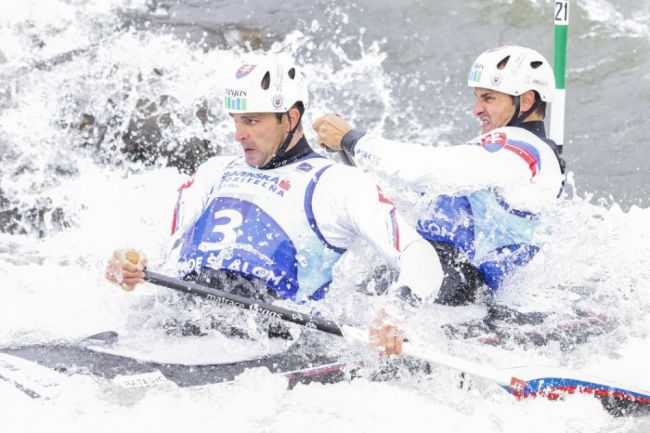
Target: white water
(597, 257)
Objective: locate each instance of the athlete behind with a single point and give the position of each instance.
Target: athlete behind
(274, 221)
(495, 185)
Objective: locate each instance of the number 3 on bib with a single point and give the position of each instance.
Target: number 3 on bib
(227, 221)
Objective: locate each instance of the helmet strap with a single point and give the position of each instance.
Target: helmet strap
(287, 140)
(285, 145)
(516, 119)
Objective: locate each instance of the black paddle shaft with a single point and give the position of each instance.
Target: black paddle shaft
(258, 307)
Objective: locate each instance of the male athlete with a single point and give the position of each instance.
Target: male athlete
(494, 186)
(274, 221)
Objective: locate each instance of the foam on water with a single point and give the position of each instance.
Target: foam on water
(596, 256)
(629, 19)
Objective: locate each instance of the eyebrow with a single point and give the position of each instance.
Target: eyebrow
(247, 116)
(484, 94)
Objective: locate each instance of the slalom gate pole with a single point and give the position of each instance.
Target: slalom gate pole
(561, 17)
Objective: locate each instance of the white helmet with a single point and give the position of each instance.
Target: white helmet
(268, 86)
(513, 70)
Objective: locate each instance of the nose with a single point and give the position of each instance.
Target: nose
(478, 107)
(240, 132)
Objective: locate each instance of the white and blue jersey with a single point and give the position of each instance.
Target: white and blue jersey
(482, 197)
(493, 236)
(285, 226)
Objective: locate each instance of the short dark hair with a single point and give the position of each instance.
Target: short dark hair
(541, 109)
(299, 105)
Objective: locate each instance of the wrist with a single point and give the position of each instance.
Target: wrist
(404, 296)
(350, 139)
(400, 304)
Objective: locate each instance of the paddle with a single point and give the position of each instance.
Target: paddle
(522, 382)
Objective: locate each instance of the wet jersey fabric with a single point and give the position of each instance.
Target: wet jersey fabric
(482, 197)
(492, 236)
(286, 226)
(246, 229)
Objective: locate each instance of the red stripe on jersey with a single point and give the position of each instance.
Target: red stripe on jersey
(393, 218)
(526, 156)
(382, 197)
(178, 202)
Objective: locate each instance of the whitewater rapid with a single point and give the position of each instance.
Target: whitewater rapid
(79, 197)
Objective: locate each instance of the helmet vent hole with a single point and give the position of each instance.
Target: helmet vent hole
(266, 81)
(292, 73)
(536, 64)
(502, 64)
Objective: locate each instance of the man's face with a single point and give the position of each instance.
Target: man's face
(494, 109)
(260, 135)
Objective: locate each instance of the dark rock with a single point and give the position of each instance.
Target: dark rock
(40, 218)
(151, 137)
(210, 30)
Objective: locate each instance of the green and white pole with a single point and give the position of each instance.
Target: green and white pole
(559, 68)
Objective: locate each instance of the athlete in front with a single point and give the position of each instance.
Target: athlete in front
(280, 216)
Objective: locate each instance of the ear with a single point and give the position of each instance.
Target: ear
(527, 100)
(294, 115)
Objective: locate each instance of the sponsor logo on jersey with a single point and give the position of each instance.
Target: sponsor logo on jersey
(244, 70)
(305, 166)
(273, 277)
(274, 184)
(369, 156)
(285, 184)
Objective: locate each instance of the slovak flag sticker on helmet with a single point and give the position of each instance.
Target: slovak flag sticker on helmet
(244, 70)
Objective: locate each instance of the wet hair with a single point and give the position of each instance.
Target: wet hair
(299, 105)
(541, 108)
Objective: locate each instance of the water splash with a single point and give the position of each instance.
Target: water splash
(77, 77)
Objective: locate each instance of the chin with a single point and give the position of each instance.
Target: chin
(487, 128)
